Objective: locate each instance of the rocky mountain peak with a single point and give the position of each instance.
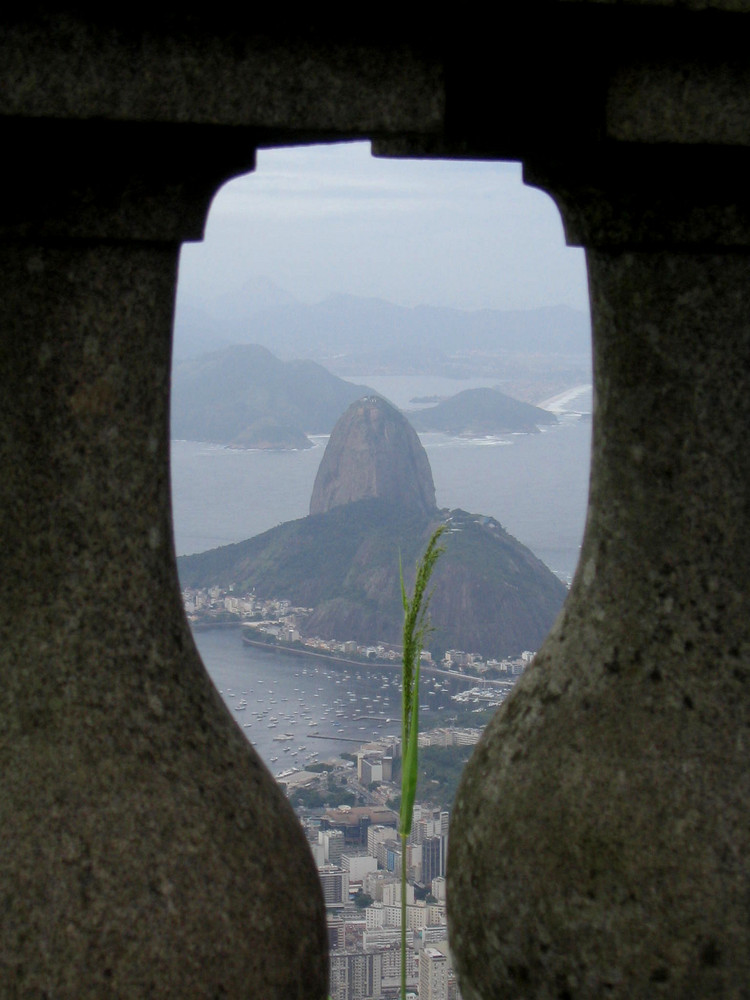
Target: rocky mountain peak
(373, 452)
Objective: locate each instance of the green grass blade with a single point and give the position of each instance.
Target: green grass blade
(416, 629)
(410, 765)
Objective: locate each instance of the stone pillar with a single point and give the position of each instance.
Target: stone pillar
(601, 834)
(145, 850)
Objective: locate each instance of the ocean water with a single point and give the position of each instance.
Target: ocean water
(536, 485)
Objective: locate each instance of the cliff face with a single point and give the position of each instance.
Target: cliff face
(374, 453)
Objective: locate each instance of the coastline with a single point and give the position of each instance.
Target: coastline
(209, 626)
(377, 664)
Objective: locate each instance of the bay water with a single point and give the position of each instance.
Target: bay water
(535, 485)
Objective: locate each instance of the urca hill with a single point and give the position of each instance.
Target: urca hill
(373, 504)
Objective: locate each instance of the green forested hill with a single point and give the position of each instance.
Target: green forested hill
(245, 396)
(492, 595)
(439, 772)
(478, 412)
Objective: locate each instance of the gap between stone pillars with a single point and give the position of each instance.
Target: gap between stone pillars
(145, 849)
(601, 833)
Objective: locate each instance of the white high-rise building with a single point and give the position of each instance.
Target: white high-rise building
(356, 975)
(377, 835)
(438, 888)
(333, 845)
(433, 975)
(335, 882)
(374, 882)
(392, 894)
(357, 866)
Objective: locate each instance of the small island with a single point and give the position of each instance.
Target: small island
(481, 413)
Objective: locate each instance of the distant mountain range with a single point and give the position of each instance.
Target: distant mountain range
(373, 506)
(350, 334)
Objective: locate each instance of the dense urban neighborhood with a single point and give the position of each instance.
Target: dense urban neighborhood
(348, 809)
(348, 802)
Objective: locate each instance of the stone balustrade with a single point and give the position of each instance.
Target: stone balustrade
(600, 846)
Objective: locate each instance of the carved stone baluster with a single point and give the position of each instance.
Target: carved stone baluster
(601, 834)
(145, 849)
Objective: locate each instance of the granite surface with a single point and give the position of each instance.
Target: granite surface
(600, 837)
(146, 851)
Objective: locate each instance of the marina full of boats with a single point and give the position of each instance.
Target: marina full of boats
(296, 711)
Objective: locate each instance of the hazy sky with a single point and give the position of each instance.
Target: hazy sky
(326, 219)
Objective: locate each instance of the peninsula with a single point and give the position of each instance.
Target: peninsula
(373, 507)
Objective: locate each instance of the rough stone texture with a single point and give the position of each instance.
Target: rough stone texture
(373, 452)
(145, 850)
(679, 199)
(600, 839)
(318, 73)
(115, 180)
(686, 81)
(601, 843)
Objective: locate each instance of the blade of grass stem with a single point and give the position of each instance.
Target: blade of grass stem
(416, 629)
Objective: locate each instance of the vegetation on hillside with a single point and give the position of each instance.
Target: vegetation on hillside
(492, 595)
(243, 395)
(478, 412)
(439, 772)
